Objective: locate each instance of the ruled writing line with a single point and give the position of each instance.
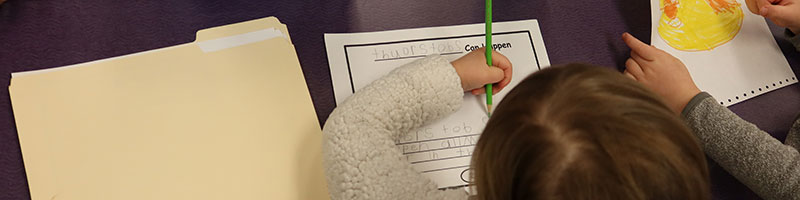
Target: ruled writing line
(443, 148)
(442, 169)
(447, 138)
(418, 56)
(438, 159)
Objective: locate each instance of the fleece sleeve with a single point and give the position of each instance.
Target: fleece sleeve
(360, 157)
(764, 164)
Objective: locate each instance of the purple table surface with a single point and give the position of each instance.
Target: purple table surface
(45, 34)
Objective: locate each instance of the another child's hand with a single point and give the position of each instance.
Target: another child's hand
(475, 73)
(661, 72)
(785, 13)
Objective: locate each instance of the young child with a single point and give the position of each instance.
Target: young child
(767, 166)
(565, 132)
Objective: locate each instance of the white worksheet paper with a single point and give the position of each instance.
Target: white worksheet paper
(748, 65)
(442, 149)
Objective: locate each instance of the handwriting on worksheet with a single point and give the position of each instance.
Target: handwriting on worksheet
(448, 141)
(418, 50)
(427, 48)
(440, 150)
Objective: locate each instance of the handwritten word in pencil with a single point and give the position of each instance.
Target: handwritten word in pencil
(427, 133)
(419, 49)
(440, 149)
(448, 143)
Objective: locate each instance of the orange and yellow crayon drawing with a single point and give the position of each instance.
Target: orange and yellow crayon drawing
(699, 25)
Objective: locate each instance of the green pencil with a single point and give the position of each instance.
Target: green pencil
(489, 54)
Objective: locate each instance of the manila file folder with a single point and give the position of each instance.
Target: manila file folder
(225, 117)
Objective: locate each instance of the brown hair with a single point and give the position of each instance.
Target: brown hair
(587, 132)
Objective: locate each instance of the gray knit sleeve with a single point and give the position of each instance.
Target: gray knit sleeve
(359, 153)
(792, 138)
(793, 38)
(764, 164)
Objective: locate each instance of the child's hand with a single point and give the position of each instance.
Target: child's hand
(752, 5)
(661, 72)
(785, 13)
(475, 73)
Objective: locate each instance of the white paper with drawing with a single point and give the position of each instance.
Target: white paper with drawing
(729, 51)
(441, 150)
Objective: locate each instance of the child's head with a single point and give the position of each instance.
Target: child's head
(586, 132)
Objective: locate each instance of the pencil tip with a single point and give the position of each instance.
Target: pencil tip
(489, 108)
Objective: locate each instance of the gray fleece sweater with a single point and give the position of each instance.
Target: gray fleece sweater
(767, 166)
(359, 154)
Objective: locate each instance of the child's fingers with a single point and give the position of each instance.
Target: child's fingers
(646, 51)
(633, 68)
(776, 13)
(478, 91)
(502, 84)
(507, 75)
(629, 75)
(500, 61)
(481, 91)
(493, 75)
(752, 5)
(638, 59)
(755, 5)
(762, 3)
(497, 88)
